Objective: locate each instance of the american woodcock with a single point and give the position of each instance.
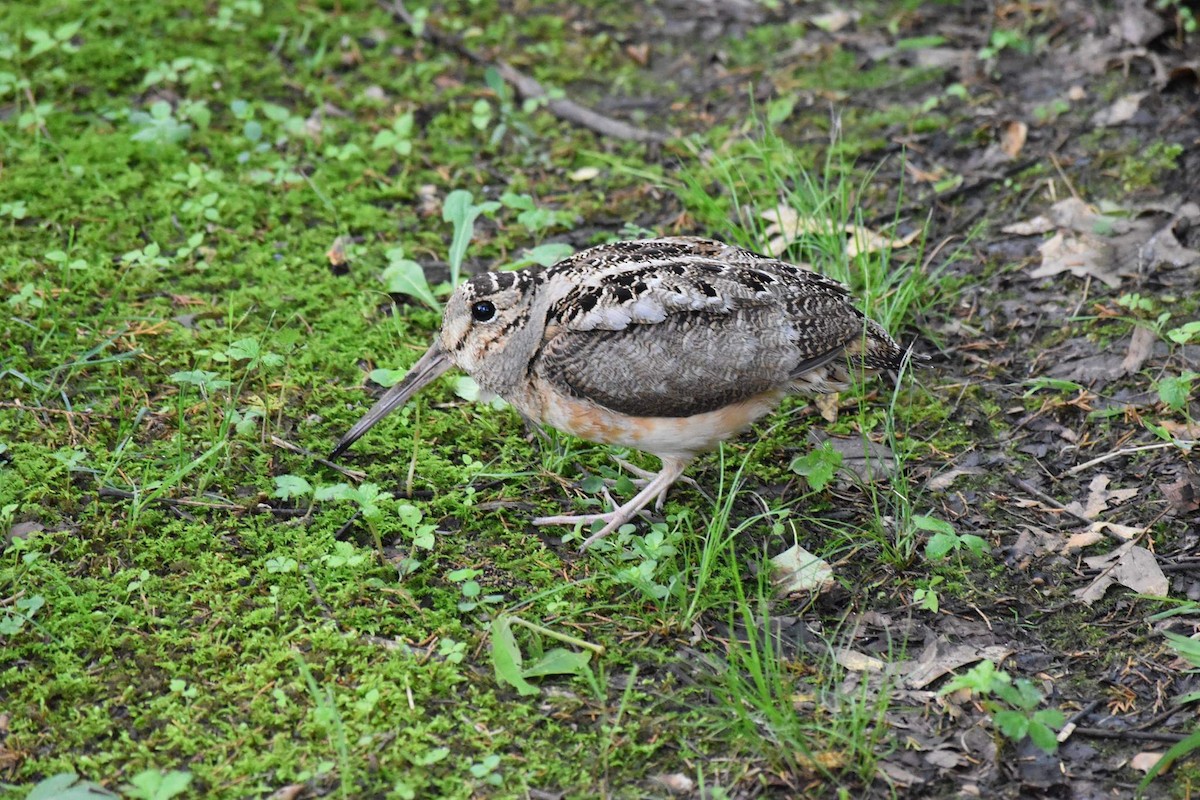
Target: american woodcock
(664, 345)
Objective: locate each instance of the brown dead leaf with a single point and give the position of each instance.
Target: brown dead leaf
(923, 175)
(429, 204)
(939, 659)
(1183, 495)
(1145, 760)
(1120, 111)
(827, 405)
(638, 53)
(1141, 345)
(796, 570)
(858, 662)
(1099, 498)
(337, 251)
(943, 481)
(1138, 24)
(1080, 254)
(1030, 227)
(863, 240)
(1078, 541)
(1129, 565)
(945, 757)
(835, 20)
(1012, 137)
(289, 792)
(675, 782)
(787, 225)
(898, 775)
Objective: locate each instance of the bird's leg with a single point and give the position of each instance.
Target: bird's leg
(644, 476)
(672, 468)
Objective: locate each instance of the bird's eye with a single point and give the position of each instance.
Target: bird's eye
(483, 311)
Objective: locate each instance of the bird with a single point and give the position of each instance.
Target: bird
(666, 345)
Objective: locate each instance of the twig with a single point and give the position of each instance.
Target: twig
(598, 649)
(1073, 722)
(1026, 486)
(108, 491)
(352, 474)
(179, 502)
(1127, 451)
(316, 593)
(1136, 736)
(526, 86)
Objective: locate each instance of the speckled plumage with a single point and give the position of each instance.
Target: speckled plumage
(665, 345)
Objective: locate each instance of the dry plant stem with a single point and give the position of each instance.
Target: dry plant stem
(528, 87)
(598, 649)
(1124, 451)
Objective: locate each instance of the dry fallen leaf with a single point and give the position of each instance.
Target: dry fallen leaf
(1100, 498)
(835, 20)
(584, 174)
(939, 659)
(1078, 541)
(943, 481)
(1141, 345)
(1012, 137)
(638, 53)
(1183, 495)
(1145, 760)
(827, 405)
(1080, 254)
(676, 783)
(787, 225)
(1129, 565)
(1120, 111)
(858, 662)
(1030, 227)
(337, 251)
(797, 570)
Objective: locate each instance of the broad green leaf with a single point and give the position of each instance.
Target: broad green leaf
(549, 253)
(558, 661)
(506, 657)
(289, 486)
(460, 210)
(818, 466)
(337, 491)
(1175, 391)
(940, 545)
(1013, 724)
(405, 276)
(932, 524)
(67, 786)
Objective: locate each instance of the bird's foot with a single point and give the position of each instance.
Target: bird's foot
(612, 519)
(654, 489)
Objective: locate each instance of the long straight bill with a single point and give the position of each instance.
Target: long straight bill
(428, 368)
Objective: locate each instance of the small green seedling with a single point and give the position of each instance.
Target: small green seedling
(1012, 704)
(818, 466)
(944, 539)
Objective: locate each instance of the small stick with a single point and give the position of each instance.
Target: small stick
(1026, 486)
(1128, 451)
(598, 649)
(528, 87)
(1136, 736)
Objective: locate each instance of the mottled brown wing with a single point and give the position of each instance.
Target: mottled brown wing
(694, 361)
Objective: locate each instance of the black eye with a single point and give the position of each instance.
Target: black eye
(483, 311)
